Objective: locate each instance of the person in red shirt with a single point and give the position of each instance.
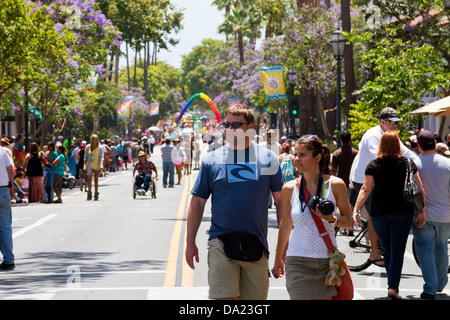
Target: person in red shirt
(145, 169)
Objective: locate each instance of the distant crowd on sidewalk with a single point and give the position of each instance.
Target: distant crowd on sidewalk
(41, 173)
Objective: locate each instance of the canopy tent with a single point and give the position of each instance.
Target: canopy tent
(434, 108)
(437, 108)
(443, 112)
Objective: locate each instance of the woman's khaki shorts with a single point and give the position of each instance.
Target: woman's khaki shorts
(233, 278)
(305, 278)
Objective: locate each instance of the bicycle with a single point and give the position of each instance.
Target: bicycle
(357, 248)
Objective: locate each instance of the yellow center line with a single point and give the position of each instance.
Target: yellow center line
(187, 279)
(171, 270)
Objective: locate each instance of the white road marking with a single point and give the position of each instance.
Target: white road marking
(34, 225)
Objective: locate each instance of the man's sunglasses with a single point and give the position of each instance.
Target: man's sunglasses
(394, 122)
(234, 125)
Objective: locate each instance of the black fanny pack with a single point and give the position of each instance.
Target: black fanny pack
(243, 247)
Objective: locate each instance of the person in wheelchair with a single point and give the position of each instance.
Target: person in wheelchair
(145, 169)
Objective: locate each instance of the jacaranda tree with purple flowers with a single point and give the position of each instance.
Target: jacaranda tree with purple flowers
(82, 39)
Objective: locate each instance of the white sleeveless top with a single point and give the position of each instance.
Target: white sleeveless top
(305, 240)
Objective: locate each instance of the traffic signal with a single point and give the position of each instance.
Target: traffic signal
(294, 106)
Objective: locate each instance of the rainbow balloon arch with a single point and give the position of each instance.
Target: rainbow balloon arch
(204, 97)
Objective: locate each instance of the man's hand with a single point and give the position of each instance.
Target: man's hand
(191, 253)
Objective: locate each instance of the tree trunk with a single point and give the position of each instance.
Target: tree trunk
(111, 63)
(128, 66)
(349, 64)
(116, 67)
(241, 47)
(323, 120)
(135, 66)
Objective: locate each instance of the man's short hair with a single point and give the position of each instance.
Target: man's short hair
(426, 140)
(242, 110)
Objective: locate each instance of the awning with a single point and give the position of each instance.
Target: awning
(434, 108)
(443, 112)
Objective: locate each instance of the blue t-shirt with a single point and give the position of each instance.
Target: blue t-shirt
(49, 175)
(239, 182)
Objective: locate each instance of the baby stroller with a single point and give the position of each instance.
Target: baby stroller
(68, 181)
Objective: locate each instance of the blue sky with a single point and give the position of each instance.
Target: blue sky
(201, 20)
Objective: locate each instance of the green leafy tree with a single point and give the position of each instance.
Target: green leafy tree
(194, 65)
(404, 58)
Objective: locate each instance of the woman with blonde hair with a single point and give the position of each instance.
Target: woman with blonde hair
(93, 164)
(392, 216)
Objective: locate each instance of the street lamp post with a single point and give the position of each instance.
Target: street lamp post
(292, 74)
(338, 43)
(446, 5)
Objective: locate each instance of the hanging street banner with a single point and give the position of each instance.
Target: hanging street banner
(154, 109)
(233, 101)
(124, 108)
(272, 78)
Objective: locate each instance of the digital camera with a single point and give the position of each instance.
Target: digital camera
(326, 207)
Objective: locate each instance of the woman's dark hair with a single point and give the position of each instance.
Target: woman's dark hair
(314, 144)
(34, 147)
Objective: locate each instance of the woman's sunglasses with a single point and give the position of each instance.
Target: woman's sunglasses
(234, 125)
(310, 137)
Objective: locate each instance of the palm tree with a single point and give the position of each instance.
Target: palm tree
(227, 5)
(238, 21)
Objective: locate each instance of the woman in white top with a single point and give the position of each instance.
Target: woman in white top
(306, 259)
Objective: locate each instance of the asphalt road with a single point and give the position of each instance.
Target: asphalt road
(124, 248)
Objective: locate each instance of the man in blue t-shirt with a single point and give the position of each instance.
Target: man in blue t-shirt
(239, 177)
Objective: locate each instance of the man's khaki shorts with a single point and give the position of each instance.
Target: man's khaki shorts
(229, 278)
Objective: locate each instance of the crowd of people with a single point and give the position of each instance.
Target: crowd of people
(310, 184)
(311, 180)
(41, 173)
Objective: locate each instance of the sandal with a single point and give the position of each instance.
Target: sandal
(377, 262)
(393, 294)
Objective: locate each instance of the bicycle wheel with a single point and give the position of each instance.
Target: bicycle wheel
(356, 248)
(153, 190)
